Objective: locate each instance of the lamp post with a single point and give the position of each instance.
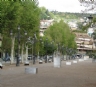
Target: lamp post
(18, 48)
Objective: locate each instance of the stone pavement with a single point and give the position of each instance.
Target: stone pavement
(82, 74)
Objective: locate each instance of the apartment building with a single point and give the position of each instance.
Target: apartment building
(84, 42)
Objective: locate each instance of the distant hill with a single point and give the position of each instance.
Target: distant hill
(46, 14)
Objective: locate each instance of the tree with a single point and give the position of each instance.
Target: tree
(19, 13)
(89, 4)
(45, 13)
(60, 34)
(10, 17)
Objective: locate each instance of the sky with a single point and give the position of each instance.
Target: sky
(61, 5)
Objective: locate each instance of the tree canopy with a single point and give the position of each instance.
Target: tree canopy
(23, 13)
(60, 33)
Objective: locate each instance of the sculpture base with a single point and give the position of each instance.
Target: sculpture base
(31, 70)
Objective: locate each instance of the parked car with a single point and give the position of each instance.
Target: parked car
(29, 57)
(6, 59)
(79, 55)
(40, 61)
(26, 63)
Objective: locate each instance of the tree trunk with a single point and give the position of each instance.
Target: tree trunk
(22, 50)
(12, 50)
(26, 53)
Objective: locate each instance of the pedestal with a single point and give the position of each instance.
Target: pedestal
(57, 62)
(31, 70)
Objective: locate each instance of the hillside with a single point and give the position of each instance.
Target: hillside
(66, 16)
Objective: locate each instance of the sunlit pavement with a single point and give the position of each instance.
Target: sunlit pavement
(81, 74)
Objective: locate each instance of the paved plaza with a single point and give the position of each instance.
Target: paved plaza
(81, 74)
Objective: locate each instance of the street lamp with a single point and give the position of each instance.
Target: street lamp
(18, 40)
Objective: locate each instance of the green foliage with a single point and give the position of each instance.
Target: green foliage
(85, 28)
(16, 13)
(45, 14)
(60, 33)
(80, 25)
(94, 19)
